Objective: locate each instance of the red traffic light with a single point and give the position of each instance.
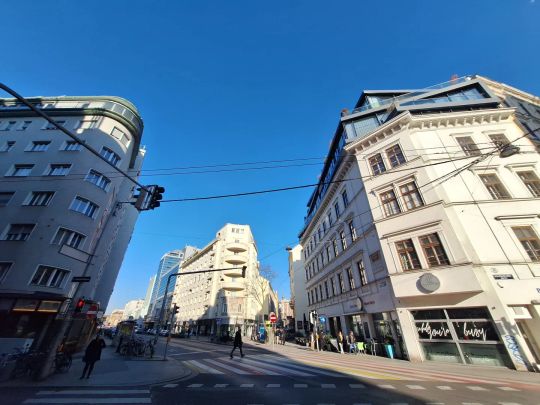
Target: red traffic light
(80, 305)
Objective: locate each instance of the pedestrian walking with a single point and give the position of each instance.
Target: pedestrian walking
(340, 342)
(237, 343)
(91, 355)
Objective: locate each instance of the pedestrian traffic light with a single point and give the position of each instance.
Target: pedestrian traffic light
(175, 309)
(79, 306)
(244, 268)
(156, 196)
(141, 202)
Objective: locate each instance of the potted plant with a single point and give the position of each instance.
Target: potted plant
(389, 346)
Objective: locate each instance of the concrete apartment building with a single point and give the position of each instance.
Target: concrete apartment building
(170, 263)
(214, 303)
(133, 310)
(424, 230)
(60, 210)
(297, 279)
(114, 318)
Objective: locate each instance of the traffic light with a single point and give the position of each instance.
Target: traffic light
(141, 202)
(175, 309)
(244, 268)
(156, 196)
(79, 306)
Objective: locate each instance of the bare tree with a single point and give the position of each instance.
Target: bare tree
(260, 288)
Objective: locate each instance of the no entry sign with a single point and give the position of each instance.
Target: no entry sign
(272, 317)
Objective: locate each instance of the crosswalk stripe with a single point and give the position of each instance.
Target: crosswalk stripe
(117, 400)
(476, 388)
(415, 387)
(93, 392)
(328, 385)
(357, 386)
(273, 385)
(207, 370)
(258, 370)
(246, 385)
(195, 385)
(300, 385)
(220, 385)
(228, 367)
(444, 387)
(278, 368)
(387, 386)
(170, 385)
(303, 368)
(507, 389)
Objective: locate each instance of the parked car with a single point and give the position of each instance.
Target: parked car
(163, 332)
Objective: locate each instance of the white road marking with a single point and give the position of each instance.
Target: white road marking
(204, 367)
(357, 386)
(328, 385)
(246, 385)
(228, 367)
(507, 389)
(386, 386)
(93, 392)
(273, 385)
(221, 385)
(277, 368)
(309, 369)
(471, 403)
(445, 388)
(476, 388)
(170, 386)
(122, 400)
(195, 385)
(509, 403)
(256, 369)
(300, 385)
(415, 387)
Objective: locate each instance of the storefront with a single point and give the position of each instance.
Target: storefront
(460, 335)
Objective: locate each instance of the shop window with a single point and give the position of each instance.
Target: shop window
(433, 250)
(411, 196)
(407, 255)
(390, 203)
(531, 181)
(499, 140)
(494, 186)
(529, 240)
(377, 164)
(468, 146)
(395, 156)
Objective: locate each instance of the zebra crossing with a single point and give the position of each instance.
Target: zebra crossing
(91, 396)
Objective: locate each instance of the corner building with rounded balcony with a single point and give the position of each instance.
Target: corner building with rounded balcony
(422, 237)
(62, 209)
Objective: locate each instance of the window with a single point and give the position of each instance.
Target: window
(390, 203)
(494, 186)
(39, 146)
(326, 288)
(341, 284)
(50, 126)
(529, 240)
(329, 218)
(120, 135)
(361, 272)
(328, 253)
(21, 170)
(395, 156)
(334, 245)
(343, 240)
(324, 226)
(499, 140)
(345, 199)
(86, 124)
(351, 279)
(19, 232)
(5, 197)
(6, 147)
(433, 250)
(308, 299)
(4, 268)
(468, 145)
(352, 231)
(320, 291)
(377, 164)
(58, 169)
(531, 181)
(8, 126)
(48, 276)
(333, 285)
(319, 233)
(336, 209)
(316, 295)
(40, 198)
(71, 146)
(110, 155)
(375, 256)
(67, 237)
(24, 125)
(411, 196)
(98, 179)
(407, 255)
(84, 206)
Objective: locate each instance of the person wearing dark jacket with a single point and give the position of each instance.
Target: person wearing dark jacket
(92, 354)
(237, 343)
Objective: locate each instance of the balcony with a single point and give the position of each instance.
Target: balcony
(236, 259)
(232, 286)
(237, 247)
(233, 273)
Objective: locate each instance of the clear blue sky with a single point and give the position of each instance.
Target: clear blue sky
(241, 81)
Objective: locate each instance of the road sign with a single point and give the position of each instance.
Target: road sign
(82, 279)
(272, 317)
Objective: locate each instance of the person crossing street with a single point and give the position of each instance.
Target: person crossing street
(237, 343)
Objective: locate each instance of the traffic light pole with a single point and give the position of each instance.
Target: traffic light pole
(163, 303)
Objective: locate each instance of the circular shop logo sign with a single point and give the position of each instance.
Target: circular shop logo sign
(429, 282)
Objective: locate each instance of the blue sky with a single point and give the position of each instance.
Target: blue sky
(241, 81)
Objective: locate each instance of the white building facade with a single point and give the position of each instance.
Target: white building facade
(298, 279)
(217, 302)
(61, 210)
(133, 311)
(425, 238)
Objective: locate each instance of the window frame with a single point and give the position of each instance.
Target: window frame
(50, 127)
(33, 195)
(90, 204)
(535, 257)
(404, 195)
(8, 229)
(10, 193)
(101, 176)
(13, 170)
(534, 189)
(361, 269)
(390, 153)
(350, 277)
(108, 154)
(431, 245)
(78, 246)
(345, 198)
(409, 253)
(53, 166)
(377, 167)
(51, 277)
(494, 187)
(385, 203)
(471, 148)
(32, 146)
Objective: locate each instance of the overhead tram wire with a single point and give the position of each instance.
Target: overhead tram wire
(68, 133)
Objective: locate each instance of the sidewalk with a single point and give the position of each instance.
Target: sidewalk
(112, 370)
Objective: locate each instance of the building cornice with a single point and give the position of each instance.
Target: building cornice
(505, 88)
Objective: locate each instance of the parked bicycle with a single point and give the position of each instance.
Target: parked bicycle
(62, 362)
(28, 364)
(137, 347)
